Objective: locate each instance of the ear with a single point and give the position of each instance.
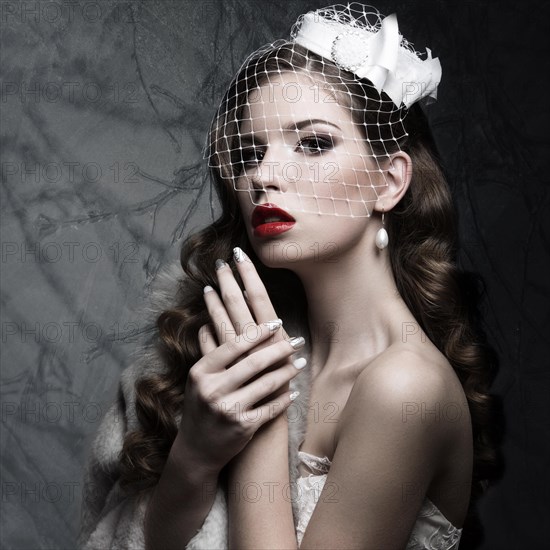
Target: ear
(398, 175)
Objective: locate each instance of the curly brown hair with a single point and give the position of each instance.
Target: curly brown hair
(422, 231)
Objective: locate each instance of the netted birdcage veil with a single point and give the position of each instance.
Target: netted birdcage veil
(317, 118)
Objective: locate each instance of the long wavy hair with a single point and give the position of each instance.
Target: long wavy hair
(422, 232)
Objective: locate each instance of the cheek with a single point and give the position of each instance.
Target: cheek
(346, 185)
(245, 201)
(344, 236)
(245, 208)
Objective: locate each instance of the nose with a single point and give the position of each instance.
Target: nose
(268, 175)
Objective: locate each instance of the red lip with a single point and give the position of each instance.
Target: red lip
(263, 228)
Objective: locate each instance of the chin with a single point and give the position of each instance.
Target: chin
(271, 254)
(284, 255)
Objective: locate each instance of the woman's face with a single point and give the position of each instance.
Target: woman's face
(307, 178)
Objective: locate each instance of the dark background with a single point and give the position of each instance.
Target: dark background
(105, 106)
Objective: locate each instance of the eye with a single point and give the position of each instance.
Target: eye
(247, 157)
(315, 145)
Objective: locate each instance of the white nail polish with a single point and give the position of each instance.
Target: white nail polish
(238, 254)
(274, 325)
(208, 288)
(297, 342)
(300, 363)
(294, 395)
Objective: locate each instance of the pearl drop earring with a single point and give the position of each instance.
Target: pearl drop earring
(382, 238)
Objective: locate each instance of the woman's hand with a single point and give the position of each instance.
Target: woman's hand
(220, 412)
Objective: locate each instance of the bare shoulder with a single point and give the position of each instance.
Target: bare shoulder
(410, 387)
(394, 448)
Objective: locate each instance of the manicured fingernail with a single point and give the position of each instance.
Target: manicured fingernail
(273, 325)
(239, 255)
(208, 288)
(300, 363)
(297, 342)
(220, 264)
(294, 395)
(245, 294)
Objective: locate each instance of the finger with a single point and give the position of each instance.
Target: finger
(207, 340)
(225, 354)
(257, 362)
(223, 327)
(267, 384)
(283, 332)
(258, 298)
(270, 410)
(233, 298)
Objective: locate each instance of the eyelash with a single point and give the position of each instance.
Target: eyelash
(254, 152)
(321, 145)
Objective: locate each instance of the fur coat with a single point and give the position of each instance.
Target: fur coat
(111, 520)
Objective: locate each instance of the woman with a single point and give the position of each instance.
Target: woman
(337, 220)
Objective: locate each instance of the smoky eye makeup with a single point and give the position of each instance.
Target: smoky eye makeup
(316, 143)
(314, 138)
(310, 141)
(251, 154)
(248, 152)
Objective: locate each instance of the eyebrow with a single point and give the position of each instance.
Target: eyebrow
(310, 122)
(293, 126)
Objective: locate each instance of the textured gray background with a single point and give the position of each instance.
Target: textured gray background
(105, 106)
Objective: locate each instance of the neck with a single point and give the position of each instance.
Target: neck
(354, 309)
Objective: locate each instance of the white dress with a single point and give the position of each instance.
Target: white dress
(431, 531)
